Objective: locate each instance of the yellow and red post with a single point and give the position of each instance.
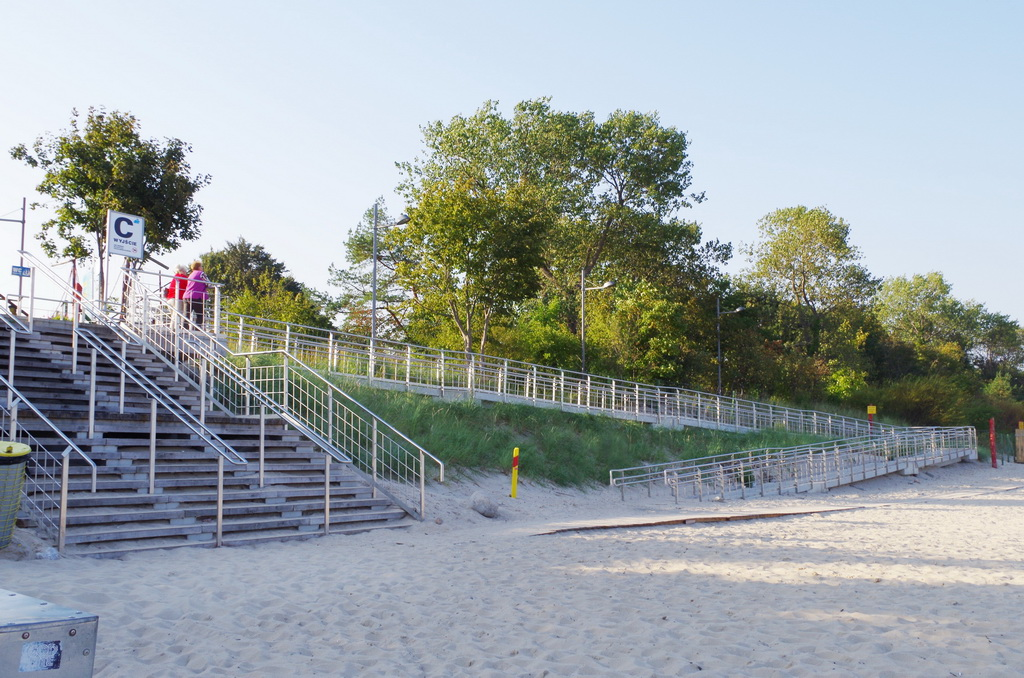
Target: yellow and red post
(515, 471)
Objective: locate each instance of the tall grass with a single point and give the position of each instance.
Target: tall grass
(555, 446)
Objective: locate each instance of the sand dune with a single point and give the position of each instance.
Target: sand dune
(922, 577)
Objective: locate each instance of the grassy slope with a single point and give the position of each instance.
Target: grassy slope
(563, 448)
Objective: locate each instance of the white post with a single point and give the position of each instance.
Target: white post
(202, 391)
(263, 439)
(327, 494)
(124, 359)
(373, 466)
(152, 446)
(220, 500)
(216, 310)
(92, 396)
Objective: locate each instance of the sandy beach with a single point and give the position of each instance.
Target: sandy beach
(921, 576)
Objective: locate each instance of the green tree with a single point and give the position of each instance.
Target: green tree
(628, 178)
(257, 285)
(604, 196)
(480, 206)
(104, 164)
(922, 312)
(806, 266)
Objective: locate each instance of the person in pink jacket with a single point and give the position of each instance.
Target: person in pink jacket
(195, 294)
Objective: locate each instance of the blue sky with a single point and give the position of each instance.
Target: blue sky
(900, 117)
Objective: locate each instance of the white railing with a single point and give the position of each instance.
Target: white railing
(46, 488)
(181, 413)
(395, 365)
(807, 467)
(322, 412)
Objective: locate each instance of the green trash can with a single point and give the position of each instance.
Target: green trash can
(12, 479)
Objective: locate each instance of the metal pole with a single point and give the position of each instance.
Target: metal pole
(263, 441)
(718, 332)
(220, 500)
(583, 320)
(92, 395)
(327, 494)
(373, 292)
(21, 258)
(152, 446)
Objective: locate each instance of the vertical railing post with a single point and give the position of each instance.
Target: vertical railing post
(247, 399)
(62, 526)
(263, 441)
(442, 375)
(152, 446)
(241, 332)
(31, 299)
(202, 391)
(373, 459)
(535, 383)
(327, 494)
(408, 367)
(10, 367)
(423, 486)
(74, 340)
(14, 417)
(220, 500)
(92, 395)
(284, 382)
(216, 310)
(124, 359)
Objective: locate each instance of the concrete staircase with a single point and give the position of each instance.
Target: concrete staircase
(122, 515)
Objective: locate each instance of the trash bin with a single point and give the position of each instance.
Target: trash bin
(12, 479)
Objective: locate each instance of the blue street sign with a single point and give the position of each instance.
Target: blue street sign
(21, 271)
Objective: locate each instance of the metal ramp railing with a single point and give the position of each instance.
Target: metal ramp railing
(817, 466)
(396, 365)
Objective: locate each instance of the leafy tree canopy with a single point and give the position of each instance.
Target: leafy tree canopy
(104, 164)
(256, 284)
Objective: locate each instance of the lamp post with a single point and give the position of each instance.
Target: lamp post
(583, 314)
(21, 259)
(373, 301)
(718, 316)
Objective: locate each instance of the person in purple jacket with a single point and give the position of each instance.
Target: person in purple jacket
(195, 294)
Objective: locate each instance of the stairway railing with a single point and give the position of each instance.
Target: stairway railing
(46, 488)
(335, 422)
(181, 413)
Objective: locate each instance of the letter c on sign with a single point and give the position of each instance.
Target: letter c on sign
(117, 227)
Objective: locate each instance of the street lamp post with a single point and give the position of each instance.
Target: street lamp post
(718, 317)
(583, 314)
(21, 259)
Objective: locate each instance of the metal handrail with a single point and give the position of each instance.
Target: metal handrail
(442, 372)
(95, 311)
(39, 507)
(156, 393)
(300, 385)
(160, 324)
(800, 467)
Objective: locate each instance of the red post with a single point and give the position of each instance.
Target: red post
(992, 439)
